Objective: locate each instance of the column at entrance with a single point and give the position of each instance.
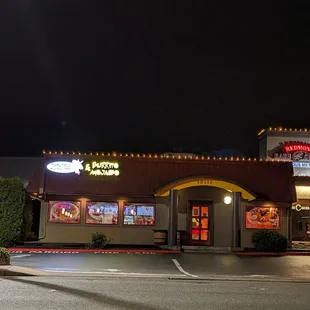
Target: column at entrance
(173, 218)
(236, 231)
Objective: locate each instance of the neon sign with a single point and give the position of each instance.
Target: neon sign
(66, 166)
(103, 168)
(294, 151)
(297, 147)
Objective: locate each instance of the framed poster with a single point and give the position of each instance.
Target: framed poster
(103, 213)
(66, 212)
(257, 217)
(139, 214)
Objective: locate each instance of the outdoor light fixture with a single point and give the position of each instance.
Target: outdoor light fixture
(227, 200)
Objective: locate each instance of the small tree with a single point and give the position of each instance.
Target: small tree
(12, 203)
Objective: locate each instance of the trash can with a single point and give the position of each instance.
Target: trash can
(160, 237)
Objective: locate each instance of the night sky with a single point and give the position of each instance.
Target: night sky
(150, 76)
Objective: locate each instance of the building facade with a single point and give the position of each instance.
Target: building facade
(211, 202)
(292, 145)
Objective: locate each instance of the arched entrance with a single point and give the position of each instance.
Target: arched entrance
(209, 220)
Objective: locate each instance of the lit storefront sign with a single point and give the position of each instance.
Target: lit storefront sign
(297, 152)
(66, 166)
(294, 151)
(299, 207)
(103, 168)
(300, 164)
(94, 168)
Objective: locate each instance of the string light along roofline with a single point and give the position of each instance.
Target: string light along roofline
(163, 156)
(282, 129)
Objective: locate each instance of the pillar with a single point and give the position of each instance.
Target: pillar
(290, 226)
(236, 205)
(173, 217)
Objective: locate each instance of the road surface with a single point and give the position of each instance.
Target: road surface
(76, 293)
(166, 265)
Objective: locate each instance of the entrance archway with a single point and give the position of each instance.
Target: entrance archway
(205, 181)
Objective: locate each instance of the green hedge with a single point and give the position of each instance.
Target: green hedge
(269, 241)
(12, 203)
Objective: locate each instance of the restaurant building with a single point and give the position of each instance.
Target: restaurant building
(292, 145)
(208, 201)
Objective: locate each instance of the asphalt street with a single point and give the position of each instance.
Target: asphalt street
(149, 294)
(166, 265)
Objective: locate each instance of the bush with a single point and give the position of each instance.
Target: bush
(26, 232)
(12, 203)
(99, 241)
(269, 241)
(4, 257)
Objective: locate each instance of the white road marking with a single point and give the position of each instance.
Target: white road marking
(111, 270)
(259, 276)
(182, 270)
(20, 256)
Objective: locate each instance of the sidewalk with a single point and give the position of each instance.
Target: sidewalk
(289, 253)
(16, 271)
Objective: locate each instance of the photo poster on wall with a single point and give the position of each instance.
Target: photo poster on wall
(67, 212)
(103, 213)
(262, 217)
(139, 214)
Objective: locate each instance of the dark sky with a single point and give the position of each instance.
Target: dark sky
(149, 76)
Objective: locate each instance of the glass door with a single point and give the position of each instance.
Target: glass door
(200, 225)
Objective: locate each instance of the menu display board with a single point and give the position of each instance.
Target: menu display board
(104, 213)
(262, 218)
(64, 212)
(139, 214)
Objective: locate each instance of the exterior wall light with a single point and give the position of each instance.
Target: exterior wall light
(227, 200)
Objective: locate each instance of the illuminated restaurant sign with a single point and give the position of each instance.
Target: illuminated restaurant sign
(66, 166)
(94, 168)
(294, 151)
(298, 207)
(102, 168)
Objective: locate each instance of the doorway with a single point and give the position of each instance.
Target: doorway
(200, 223)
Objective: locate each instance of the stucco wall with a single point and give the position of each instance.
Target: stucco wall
(221, 222)
(81, 233)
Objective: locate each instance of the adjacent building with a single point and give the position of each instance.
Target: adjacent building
(292, 145)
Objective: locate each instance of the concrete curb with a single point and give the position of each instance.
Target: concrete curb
(243, 279)
(16, 271)
(96, 251)
(271, 254)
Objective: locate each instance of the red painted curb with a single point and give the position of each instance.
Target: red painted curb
(77, 251)
(271, 254)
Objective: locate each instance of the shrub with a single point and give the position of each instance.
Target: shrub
(4, 257)
(269, 241)
(99, 241)
(12, 203)
(26, 232)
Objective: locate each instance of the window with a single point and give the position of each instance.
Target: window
(103, 213)
(139, 214)
(64, 212)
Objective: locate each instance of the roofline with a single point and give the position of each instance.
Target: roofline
(282, 129)
(168, 157)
